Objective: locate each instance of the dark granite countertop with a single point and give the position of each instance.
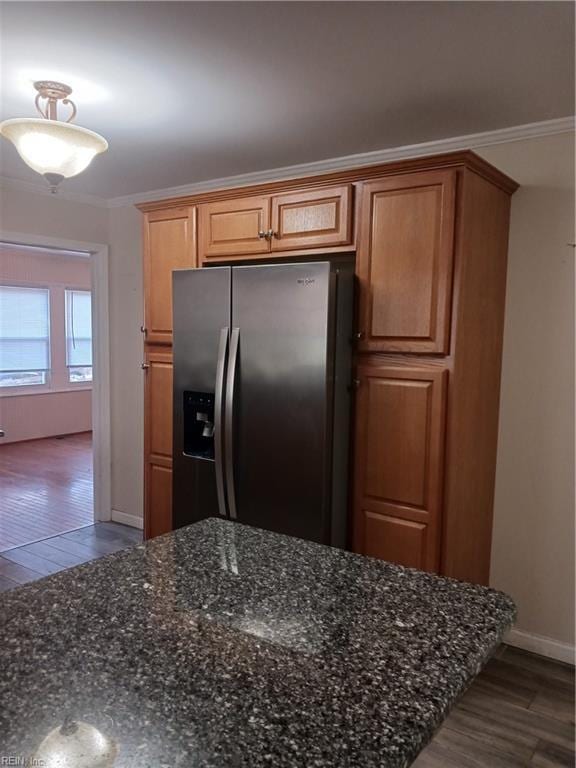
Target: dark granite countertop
(223, 645)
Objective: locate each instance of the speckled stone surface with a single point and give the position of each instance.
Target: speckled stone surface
(223, 645)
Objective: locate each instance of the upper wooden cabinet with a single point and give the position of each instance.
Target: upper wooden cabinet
(251, 226)
(404, 262)
(169, 243)
(234, 227)
(321, 217)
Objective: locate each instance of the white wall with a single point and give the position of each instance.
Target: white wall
(52, 216)
(533, 541)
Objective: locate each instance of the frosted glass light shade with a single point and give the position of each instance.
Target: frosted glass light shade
(53, 147)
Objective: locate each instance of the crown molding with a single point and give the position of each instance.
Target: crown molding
(41, 189)
(470, 141)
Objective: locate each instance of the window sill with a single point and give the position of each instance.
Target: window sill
(47, 391)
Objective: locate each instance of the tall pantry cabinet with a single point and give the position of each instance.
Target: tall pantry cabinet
(169, 243)
(430, 240)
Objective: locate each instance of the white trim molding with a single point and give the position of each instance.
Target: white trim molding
(126, 519)
(101, 437)
(544, 646)
(469, 141)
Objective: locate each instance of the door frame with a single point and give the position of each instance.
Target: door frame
(101, 437)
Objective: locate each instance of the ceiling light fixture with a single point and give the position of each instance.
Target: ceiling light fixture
(55, 149)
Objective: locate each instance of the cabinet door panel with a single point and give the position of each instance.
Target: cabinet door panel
(399, 462)
(405, 262)
(160, 500)
(158, 443)
(397, 433)
(170, 243)
(159, 404)
(321, 217)
(396, 540)
(231, 227)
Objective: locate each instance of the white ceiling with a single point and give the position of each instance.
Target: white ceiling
(188, 91)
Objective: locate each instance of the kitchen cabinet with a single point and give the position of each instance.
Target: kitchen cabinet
(405, 259)
(430, 236)
(169, 243)
(252, 226)
(234, 227)
(158, 442)
(320, 217)
(398, 473)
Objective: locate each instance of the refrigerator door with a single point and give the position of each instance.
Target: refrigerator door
(201, 300)
(278, 411)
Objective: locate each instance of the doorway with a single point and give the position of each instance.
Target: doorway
(46, 378)
(54, 388)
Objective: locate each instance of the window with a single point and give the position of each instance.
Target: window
(24, 336)
(79, 336)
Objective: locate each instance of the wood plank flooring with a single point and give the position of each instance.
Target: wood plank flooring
(33, 561)
(45, 488)
(519, 713)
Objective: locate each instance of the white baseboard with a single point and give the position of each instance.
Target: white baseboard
(544, 646)
(126, 519)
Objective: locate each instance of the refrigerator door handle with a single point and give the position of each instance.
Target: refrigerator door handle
(218, 421)
(229, 420)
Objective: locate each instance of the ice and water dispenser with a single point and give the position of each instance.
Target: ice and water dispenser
(199, 424)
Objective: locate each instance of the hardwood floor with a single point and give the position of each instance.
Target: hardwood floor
(46, 488)
(519, 713)
(33, 561)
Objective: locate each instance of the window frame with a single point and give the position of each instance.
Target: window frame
(78, 384)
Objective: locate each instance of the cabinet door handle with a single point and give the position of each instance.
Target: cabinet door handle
(270, 234)
(261, 234)
(145, 366)
(358, 336)
(143, 329)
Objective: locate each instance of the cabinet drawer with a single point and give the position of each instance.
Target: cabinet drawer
(320, 217)
(232, 227)
(398, 477)
(405, 260)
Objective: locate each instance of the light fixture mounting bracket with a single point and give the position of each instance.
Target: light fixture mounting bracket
(52, 92)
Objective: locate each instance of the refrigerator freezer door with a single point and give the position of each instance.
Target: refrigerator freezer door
(282, 397)
(201, 300)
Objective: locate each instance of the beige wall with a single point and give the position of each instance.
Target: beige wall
(52, 216)
(533, 541)
(60, 408)
(533, 553)
(126, 352)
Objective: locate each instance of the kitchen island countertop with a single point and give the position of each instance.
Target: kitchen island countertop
(224, 645)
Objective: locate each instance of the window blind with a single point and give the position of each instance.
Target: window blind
(24, 329)
(78, 328)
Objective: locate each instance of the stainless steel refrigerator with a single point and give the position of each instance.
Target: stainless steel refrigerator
(262, 366)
